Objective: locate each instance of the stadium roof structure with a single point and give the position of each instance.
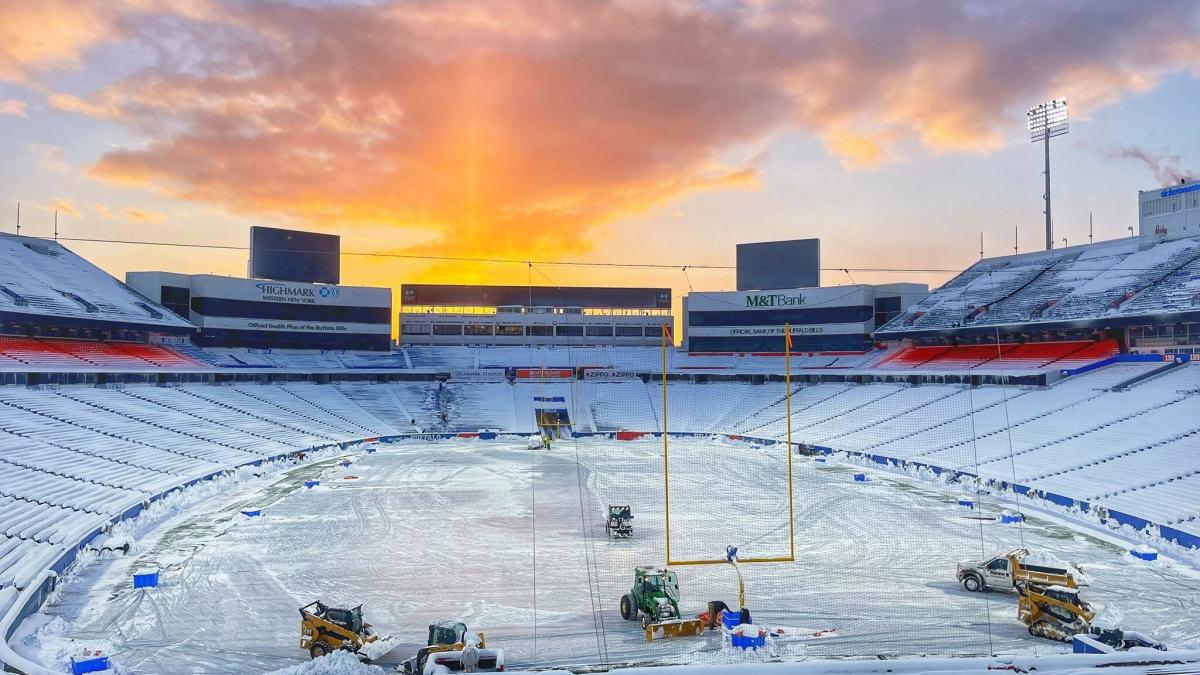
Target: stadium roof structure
(42, 278)
(1106, 284)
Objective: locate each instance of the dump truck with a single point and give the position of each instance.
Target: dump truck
(324, 629)
(654, 599)
(452, 646)
(1054, 612)
(1004, 571)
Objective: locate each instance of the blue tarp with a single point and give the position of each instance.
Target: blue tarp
(1059, 499)
(1126, 519)
(1179, 536)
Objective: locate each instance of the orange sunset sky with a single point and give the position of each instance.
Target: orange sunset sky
(589, 130)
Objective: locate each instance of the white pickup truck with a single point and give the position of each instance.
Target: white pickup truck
(1004, 571)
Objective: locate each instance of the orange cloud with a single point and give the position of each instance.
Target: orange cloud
(65, 207)
(13, 107)
(522, 127)
(141, 216)
(47, 33)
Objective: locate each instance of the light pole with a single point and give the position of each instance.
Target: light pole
(1047, 120)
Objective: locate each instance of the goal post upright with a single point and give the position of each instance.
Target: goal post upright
(791, 555)
(666, 332)
(787, 380)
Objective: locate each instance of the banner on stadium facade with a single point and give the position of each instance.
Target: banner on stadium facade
(545, 373)
(797, 331)
(609, 375)
(477, 374)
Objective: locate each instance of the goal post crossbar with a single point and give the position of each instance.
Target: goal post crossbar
(725, 561)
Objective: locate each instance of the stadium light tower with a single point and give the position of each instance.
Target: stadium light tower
(1047, 120)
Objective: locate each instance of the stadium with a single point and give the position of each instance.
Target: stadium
(171, 495)
(651, 337)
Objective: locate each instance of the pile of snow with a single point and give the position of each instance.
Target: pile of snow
(1047, 559)
(1044, 559)
(337, 663)
(1107, 618)
(375, 650)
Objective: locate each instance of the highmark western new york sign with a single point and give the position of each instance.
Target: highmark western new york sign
(774, 300)
(274, 292)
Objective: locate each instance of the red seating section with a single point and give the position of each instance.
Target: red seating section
(991, 357)
(54, 352)
(1090, 352)
(158, 355)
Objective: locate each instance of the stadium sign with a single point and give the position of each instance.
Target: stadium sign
(477, 374)
(276, 292)
(607, 375)
(774, 300)
(1171, 192)
(545, 373)
(776, 330)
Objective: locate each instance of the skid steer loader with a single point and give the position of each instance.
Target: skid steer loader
(452, 647)
(654, 599)
(325, 629)
(620, 521)
(1054, 612)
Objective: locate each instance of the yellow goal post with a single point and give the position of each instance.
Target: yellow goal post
(790, 556)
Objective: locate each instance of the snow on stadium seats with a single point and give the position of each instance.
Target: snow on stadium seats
(999, 358)
(73, 458)
(43, 278)
(480, 405)
(1124, 277)
(434, 357)
(87, 354)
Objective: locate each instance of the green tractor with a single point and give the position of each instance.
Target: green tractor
(654, 599)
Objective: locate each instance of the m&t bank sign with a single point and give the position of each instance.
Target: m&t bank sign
(774, 300)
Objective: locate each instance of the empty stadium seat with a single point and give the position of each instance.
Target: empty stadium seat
(57, 352)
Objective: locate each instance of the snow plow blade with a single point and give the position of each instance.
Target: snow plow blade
(484, 660)
(675, 628)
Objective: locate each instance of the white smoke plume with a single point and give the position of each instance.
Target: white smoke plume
(1164, 165)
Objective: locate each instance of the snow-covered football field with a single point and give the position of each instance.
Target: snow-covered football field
(512, 541)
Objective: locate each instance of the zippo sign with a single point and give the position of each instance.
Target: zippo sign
(603, 375)
(545, 373)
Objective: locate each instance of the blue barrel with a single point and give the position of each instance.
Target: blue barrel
(748, 641)
(731, 619)
(1144, 553)
(145, 579)
(87, 664)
